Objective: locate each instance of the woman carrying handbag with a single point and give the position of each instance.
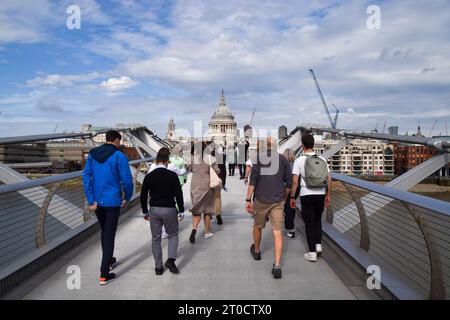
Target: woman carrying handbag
(205, 179)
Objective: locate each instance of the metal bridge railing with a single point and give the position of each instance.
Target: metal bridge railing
(408, 232)
(35, 212)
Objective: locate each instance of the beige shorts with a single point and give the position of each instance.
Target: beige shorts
(274, 211)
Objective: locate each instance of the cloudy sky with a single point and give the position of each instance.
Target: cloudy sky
(145, 61)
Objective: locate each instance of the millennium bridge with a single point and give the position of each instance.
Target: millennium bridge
(380, 241)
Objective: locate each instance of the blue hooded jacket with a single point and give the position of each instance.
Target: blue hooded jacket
(105, 175)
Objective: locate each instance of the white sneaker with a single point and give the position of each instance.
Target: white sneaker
(164, 234)
(319, 248)
(209, 235)
(310, 256)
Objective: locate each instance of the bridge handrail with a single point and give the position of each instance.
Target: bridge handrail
(428, 203)
(56, 136)
(52, 179)
(405, 232)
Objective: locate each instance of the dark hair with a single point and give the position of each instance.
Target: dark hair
(199, 144)
(112, 136)
(308, 141)
(163, 155)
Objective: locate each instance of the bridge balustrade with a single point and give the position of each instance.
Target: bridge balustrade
(408, 233)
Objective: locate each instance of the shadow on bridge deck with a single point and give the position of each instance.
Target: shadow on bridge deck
(218, 268)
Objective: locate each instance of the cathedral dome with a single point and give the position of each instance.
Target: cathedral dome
(222, 126)
(222, 115)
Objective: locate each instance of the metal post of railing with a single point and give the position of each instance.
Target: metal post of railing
(365, 236)
(86, 212)
(437, 289)
(40, 227)
(135, 176)
(329, 214)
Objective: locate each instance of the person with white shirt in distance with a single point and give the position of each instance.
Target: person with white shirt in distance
(180, 172)
(315, 190)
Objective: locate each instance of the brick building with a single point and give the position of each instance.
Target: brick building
(408, 157)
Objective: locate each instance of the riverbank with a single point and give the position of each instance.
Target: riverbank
(433, 191)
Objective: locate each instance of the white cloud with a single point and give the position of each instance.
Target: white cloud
(169, 68)
(118, 84)
(54, 80)
(24, 21)
(123, 44)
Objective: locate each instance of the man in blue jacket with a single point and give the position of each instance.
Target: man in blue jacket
(106, 176)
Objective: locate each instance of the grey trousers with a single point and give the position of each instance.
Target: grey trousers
(166, 217)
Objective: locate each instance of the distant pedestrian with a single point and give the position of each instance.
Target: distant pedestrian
(164, 189)
(177, 161)
(202, 195)
(220, 155)
(289, 213)
(249, 164)
(315, 190)
(270, 184)
(221, 158)
(232, 153)
(106, 176)
(178, 165)
(243, 148)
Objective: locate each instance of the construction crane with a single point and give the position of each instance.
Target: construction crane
(333, 122)
(336, 114)
(253, 117)
(432, 128)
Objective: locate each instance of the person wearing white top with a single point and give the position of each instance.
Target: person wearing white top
(313, 200)
(170, 167)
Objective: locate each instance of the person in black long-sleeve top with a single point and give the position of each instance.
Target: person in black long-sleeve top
(163, 187)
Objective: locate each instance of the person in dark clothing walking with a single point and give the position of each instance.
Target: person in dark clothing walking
(232, 159)
(242, 158)
(221, 158)
(164, 188)
(220, 154)
(289, 213)
(313, 199)
(106, 176)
